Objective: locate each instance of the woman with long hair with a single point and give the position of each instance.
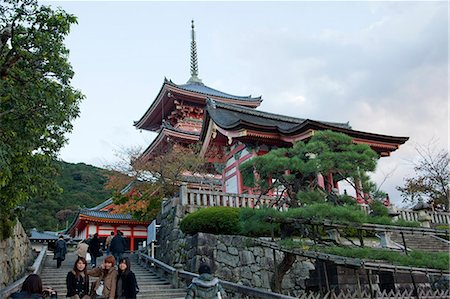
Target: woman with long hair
(32, 289)
(105, 286)
(77, 280)
(126, 281)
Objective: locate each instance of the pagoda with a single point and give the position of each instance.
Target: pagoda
(231, 129)
(177, 111)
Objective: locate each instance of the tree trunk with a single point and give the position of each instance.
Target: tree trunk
(281, 270)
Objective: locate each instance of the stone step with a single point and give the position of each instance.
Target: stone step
(150, 284)
(421, 242)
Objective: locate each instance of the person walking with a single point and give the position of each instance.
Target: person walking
(105, 285)
(205, 286)
(118, 245)
(77, 280)
(94, 249)
(60, 251)
(108, 242)
(32, 289)
(127, 287)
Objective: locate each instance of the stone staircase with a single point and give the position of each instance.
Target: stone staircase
(150, 285)
(421, 242)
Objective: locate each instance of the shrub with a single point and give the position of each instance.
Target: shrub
(213, 220)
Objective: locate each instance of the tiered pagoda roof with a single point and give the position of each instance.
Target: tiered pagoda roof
(195, 93)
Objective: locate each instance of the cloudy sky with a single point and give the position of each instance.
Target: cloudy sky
(382, 66)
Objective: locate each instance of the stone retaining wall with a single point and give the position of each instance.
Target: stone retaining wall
(15, 256)
(232, 258)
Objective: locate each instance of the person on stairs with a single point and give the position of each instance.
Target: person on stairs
(32, 289)
(77, 280)
(105, 285)
(94, 249)
(127, 286)
(205, 286)
(60, 251)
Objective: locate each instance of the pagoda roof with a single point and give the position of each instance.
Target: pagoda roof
(208, 91)
(167, 130)
(230, 116)
(194, 92)
(246, 124)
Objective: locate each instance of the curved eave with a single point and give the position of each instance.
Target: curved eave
(90, 218)
(151, 120)
(247, 101)
(165, 133)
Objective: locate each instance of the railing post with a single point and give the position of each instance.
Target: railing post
(175, 278)
(183, 194)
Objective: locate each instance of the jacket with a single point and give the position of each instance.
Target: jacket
(129, 284)
(110, 281)
(94, 247)
(76, 286)
(60, 250)
(117, 245)
(205, 286)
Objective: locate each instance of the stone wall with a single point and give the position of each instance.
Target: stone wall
(15, 256)
(232, 258)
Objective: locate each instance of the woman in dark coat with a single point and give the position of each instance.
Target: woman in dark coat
(94, 249)
(126, 281)
(60, 251)
(77, 280)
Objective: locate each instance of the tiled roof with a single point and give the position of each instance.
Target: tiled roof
(230, 116)
(105, 214)
(35, 235)
(206, 90)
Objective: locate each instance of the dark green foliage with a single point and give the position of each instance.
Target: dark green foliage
(81, 185)
(415, 258)
(254, 224)
(326, 211)
(378, 208)
(326, 152)
(37, 102)
(214, 220)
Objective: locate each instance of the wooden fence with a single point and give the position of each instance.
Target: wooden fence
(403, 294)
(206, 198)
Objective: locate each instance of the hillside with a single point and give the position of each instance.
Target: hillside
(82, 186)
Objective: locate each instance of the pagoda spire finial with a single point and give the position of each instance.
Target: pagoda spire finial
(194, 63)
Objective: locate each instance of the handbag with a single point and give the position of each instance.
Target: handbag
(99, 290)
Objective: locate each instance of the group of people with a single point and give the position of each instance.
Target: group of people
(111, 283)
(114, 245)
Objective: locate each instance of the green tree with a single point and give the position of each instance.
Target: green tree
(37, 102)
(293, 171)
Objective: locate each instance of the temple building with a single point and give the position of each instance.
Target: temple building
(102, 221)
(231, 129)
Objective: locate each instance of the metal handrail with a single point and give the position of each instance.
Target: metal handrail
(227, 285)
(15, 286)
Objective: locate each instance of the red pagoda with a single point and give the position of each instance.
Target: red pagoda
(232, 131)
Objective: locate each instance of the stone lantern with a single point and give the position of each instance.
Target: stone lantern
(424, 218)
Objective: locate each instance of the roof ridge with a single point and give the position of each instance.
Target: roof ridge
(275, 116)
